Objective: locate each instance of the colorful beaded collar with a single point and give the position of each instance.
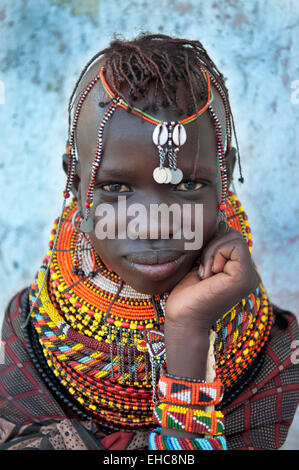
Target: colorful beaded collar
(99, 336)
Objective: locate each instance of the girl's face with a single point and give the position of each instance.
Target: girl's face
(150, 264)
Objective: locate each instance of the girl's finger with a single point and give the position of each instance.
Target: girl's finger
(222, 248)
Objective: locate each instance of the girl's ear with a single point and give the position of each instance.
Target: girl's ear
(76, 179)
(230, 160)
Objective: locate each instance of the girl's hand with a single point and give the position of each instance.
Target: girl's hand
(225, 275)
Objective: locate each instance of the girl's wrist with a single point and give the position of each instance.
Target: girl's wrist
(186, 350)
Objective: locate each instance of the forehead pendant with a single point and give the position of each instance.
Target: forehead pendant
(168, 137)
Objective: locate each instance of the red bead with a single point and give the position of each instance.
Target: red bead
(141, 390)
(67, 295)
(87, 204)
(78, 304)
(249, 242)
(110, 321)
(140, 327)
(125, 324)
(66, 194)
(51, 243)
(248, 229)
(222, 206)
(244, 216)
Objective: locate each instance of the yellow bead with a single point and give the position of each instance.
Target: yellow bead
(149, 325)
(117, 323)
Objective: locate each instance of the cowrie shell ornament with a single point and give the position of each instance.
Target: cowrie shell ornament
(179, 135)
(160, 134)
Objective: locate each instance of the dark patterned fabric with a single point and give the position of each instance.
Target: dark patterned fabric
(32, 418)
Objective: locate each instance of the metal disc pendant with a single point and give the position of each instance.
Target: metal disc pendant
(177, 176)
(160, 175)
(179, 135)
(168, 175)
(86, 225)
(160, 134)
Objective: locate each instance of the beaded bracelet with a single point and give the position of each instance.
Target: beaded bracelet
(188, 392)
(188, 419)
(159, 442)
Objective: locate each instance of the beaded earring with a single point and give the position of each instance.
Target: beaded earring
(222, 226)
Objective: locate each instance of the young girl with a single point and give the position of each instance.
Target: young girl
(127, 338)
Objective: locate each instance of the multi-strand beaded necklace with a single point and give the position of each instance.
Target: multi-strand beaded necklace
(99, 336)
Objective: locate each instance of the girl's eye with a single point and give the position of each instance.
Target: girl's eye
(189, 186)
(115, 188)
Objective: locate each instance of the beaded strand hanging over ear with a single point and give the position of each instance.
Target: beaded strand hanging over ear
(86, 225)
(222, 225)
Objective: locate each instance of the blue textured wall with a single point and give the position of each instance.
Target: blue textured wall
(44, 45)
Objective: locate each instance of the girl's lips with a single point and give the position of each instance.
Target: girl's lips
(155, 271)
